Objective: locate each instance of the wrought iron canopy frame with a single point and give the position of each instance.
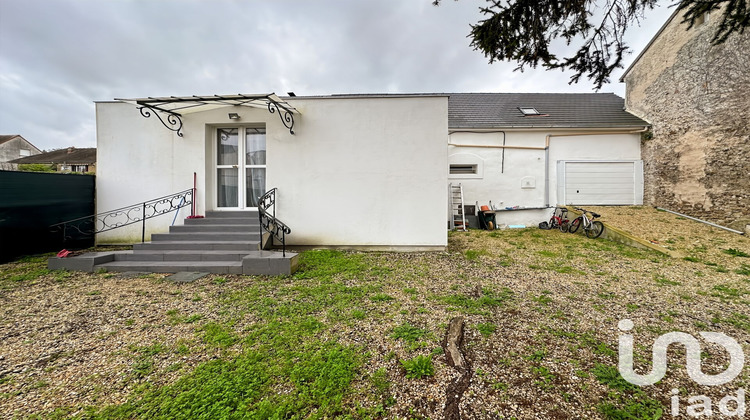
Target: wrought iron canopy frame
(170, 109)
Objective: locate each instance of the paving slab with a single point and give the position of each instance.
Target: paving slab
(185, 277)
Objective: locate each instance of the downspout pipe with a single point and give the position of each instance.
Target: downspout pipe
(702, 221)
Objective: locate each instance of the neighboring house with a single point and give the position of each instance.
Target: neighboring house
(71, 159)
(368, 171)
(696, 97)
(12, 147)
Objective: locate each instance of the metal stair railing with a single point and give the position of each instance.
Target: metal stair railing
(125, 216)
(268, 220)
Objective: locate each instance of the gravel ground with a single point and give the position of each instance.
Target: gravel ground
(540, 307)
(676, 233)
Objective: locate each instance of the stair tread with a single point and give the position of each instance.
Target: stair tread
(205, 242)
(186, 251)
(172, 263)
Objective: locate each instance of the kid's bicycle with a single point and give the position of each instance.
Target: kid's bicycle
(559, 221)
(593, 228)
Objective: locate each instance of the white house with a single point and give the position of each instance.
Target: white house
(365, 171)
(368, 171)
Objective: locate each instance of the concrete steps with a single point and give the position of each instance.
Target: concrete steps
(198, 245)
(205, 236)
(217, 267)
(222, 242)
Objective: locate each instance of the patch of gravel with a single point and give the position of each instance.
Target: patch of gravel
(690, 238)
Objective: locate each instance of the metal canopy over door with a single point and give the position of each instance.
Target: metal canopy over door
(240, 167)
(600, 182)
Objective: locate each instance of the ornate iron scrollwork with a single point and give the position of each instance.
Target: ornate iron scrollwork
(174, 120)
(287, 118)
(269, 222)
(102, 222)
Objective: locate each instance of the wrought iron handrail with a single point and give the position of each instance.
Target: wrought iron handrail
(269, 222)
(128, 215)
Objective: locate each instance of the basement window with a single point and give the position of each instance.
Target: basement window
(529, 111)
(463, 169)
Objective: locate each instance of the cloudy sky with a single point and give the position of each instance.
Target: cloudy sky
(59, 56)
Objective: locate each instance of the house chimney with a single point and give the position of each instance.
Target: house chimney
(71, 149)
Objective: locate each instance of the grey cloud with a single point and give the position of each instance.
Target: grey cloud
(58, 56)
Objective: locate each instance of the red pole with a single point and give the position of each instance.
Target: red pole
(195, 177)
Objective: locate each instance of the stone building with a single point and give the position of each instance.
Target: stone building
(695, 95)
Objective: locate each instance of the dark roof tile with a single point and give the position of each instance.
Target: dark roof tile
(71, 155)
(562, 110)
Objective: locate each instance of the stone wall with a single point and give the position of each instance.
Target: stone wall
(696, 95)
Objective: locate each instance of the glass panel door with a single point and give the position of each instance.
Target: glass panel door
(226, 167)
(240, 181)
(255, 165)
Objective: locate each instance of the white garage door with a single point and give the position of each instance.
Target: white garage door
(601, 183)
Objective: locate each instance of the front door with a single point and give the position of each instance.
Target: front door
(240, 167)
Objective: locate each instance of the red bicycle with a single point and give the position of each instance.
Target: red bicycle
(559, 221)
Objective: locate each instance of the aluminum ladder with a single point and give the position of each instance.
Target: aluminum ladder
(458, 214)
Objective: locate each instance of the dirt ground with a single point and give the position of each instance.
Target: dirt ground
(540, 311)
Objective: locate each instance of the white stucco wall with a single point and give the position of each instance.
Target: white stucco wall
(595, 147)
(359, 172)
(365, 172)
(519, 178)
(138, 160)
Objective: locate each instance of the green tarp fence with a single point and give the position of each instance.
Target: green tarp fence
(30, 202)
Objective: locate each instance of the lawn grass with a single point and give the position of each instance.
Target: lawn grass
(359, 335)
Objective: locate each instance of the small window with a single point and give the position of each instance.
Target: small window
(463, 169)
(529, 111)
(25, 152)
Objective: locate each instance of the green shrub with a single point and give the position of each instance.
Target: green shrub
(36, 167)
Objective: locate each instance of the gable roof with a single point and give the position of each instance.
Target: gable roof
(71, 155)
(558, 110)
(7, 137)
(4, 138)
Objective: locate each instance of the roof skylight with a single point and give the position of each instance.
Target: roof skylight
(528, 110)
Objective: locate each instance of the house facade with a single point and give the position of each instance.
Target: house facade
(695, 95)
(12, 147)
(350, 171)
(367, 171)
